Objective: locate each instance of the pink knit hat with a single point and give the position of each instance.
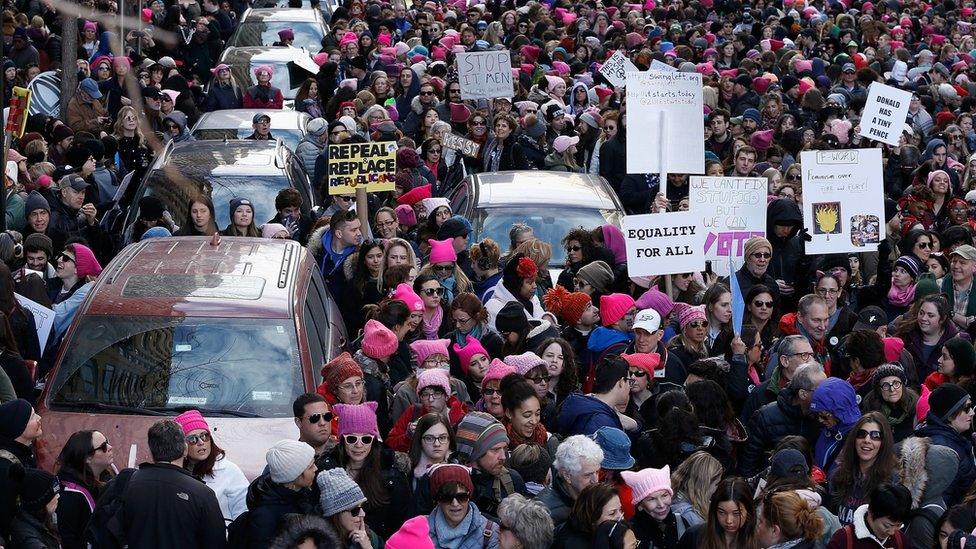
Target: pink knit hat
(406, 294)
(433, 377)
(496, 371)
(687, 313)
(191, 420)
(471, 347)
(378, 340)
(554, 81)
(85, 262)
(524, 362)
(922, 406)
(647, 481)
(425, 348)
(357, 418)
(932, 175)
(442, 251)
(649, 362)
(414, 534)
(657, 300)
(406, 215)
(613, 307)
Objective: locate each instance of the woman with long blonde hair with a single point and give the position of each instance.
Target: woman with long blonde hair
(135, 152)
(693, 482)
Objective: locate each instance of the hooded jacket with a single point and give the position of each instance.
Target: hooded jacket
(941, 433)
(501, 295)
(768, 426)
(584, 414)
(268, 503)
(179, 119)
(837, 397)
(788, 253)
(927, 470)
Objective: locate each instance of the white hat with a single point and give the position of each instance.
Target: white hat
(11, 171)
(648, 319)
(288, 459)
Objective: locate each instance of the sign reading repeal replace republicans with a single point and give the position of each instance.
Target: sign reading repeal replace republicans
(372, 165)
(485, 74)
(664, 243)
(885, 113)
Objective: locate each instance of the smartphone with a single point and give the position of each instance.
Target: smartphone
(708, 268)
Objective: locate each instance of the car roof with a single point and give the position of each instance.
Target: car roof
(280, 14)
(264, 53)
(535, 187)
(222, 158)
(242, 118)
(239, 277)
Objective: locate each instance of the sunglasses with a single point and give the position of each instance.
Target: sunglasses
(103, 447)
(573, 248)
(315, 418)
(355, 511)
(351, 440)
(434, 151)
(196, 439)
(538, 380)
(431, 292)
(66, 257)
(172, 127)
(489, 392)
(864, 433)
(762, 255)
(699, 324)
(924, 245)
(443, 269)
(427, 93)
(793, 178)
(460, 498)
(479, 123)
(762, 304)
(581, 283)
(638, 373)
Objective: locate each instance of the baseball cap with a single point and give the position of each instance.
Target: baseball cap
(74, 181)
(965, 251)
(91, 88)
(648, 320)
(871, 318)
(849, 67)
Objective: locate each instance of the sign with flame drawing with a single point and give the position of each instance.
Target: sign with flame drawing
(843, 200)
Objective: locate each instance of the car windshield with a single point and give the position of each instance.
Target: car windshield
(280, 79)
(495, 223)
(245, 365)
(289, 137)
(265, 33)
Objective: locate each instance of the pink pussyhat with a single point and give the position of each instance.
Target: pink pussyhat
(406, 294)
(442, 251)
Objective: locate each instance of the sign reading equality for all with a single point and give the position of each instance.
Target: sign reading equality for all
(885, 113)
(460, 144)
(616, 68)
(662, 107)
(485, 74)
(354, 165)
(730, 210)
(843, 200)
(664, 243)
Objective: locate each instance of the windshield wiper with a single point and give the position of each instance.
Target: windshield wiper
(208, 411)
(110, 407)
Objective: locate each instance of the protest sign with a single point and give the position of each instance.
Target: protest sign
(843, 200)
(885, 113)
(460, 144)
(730, 210)
(660, 66)
(616, 68)
(485, 74)
(664, 243)
(43, 318)
(358, 164)
(662, 107)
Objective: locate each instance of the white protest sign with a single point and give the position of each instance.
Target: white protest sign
(616, 68)
(885, 113)
(843, 200)
(730, 210)
(664, 109)
(664, 243)
(485, 74)
(460, 144)
(43, 318)
(661, 66)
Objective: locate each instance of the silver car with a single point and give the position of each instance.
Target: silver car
(259, 27)
(287, 125)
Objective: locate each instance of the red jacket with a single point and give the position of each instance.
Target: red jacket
(399, 440)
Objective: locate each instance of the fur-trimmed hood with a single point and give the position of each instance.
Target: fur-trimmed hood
(300, 527)
(926, 469)
(315, 242)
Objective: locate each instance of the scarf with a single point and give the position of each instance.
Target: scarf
(461, 338)
(860, 379)
(888, 412)
(433, 325)
(539, 436)
(454, 538)
(901, 298)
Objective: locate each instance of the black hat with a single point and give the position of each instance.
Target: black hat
(891, 209)
(358, 62)
(512, 318)
(744, 80)
(152, 92)
(789, 463)
(946, 400)
(14, 415)
(451, 228)
(788, 82)
(871, 318)
(151, 208)
(36, 201)
(887, 370)
(37, 489)
(76, 155)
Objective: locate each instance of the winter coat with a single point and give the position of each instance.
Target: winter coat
(399, 440)
(474, 532)
(14, 459)
(405, 395)
(269, 98)
(941, 433)
(836, 397)
(584, 414)
(613, 159)
(557, 501)
(180, 120)
(789, 259)
(268, 503)
(221, 97)
(487, 495)
(509, 155)
(150, 518)
(230, 485)
(859, 536)
(747, 280)
(27, 532)
(299, 527)
(535, 154)
(927, 470)
(501, 296)
(914, 345)
(569, 536)
(84, 117)
(768, 426)
(75, 509)
(653, 536)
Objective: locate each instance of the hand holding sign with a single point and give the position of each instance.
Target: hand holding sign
(485, 74)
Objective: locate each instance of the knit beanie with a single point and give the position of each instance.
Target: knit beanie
(431, 204)
(359, 419)
(442, 473)
(613, 307)
(598, 274)
(647, 481)
(963, 355)
(645, 361)
(287, 460)
(14, 415)
(910, 263)
(471, 348)
(535, 126)
(38, 488)
(497, 370)
(340, 369)
(414, 534)
(755, 244)
(338, 492)
(407, 158)
(922, 406)
(191, 420)
(36, 201)
(414, 195)
(657, 300)
(379, 342)
(688, 313)
(442, 251)
(237, 203)
(788, 462)
(524, 362)
(434, 377)
(946, 400)
(406, 294)
(85, 262)
(926, 286)
(512, 318)
(476, 434)
(569, 306)
(887, 370)
(425, 348)
(42, 241)
(405, 215)
(519, 267)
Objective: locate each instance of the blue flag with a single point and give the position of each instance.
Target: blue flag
(738, 302)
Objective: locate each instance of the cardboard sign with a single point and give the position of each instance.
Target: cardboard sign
(43, 318)
(357, 164)
(731, 210)
(666, 108)
(460, 144)
(17, 115)
(843, 200)
(664, 243)
(885, 113)
(485, 74)
(616, 68)
(661, 66)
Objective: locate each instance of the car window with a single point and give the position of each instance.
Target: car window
(245, 365)
(280, 79)
(265, 33)
(316, 317)
(459, 200)
(289, 137)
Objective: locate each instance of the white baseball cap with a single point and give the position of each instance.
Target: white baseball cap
(648, 320)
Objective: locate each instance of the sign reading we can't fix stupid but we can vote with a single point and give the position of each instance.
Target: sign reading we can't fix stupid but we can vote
(664, 243)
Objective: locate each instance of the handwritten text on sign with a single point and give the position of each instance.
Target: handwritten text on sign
(358, 164)
(485, 74)
(460, 144)
(676, 96)
(615, 69)
(885, 113)
(664, 243)
(731, 209)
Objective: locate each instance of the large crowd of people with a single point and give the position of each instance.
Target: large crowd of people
(480, 402)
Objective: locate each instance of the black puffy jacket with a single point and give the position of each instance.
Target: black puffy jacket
(789, 262)
(268, 502)
(768, 425)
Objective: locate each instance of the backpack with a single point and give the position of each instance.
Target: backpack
(931, 513)
(104, 528)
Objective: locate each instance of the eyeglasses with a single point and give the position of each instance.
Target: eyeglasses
(462, 320)
(924, 245)
(461, 498)
(434, 363)
(315, 418)
(573, 248)
(352, 385)
(699, 324)
(431, 395)
(478, 123)
(455, 90)
(196, 439)
(762, 255)
(384, 224)
(351, 440)
(806, 355)
(580, 283)
(638, 373)
(891, 386)
(66, 257)
(337, 134)
(439, 439)
(539, 380)
(762, 304)
(828, 291)
(444, 268)
(864, 433)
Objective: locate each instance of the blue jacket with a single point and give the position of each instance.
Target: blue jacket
(837, 397)
(332, 261)
(941, 433)
(584, 414)
(602, 338)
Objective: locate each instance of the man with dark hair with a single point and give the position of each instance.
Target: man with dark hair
(314, 421)
(584, 414)
(288, 203)
(877, 523)
(720, 141)
(165, 506)
(863, 350)
(344, 235)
